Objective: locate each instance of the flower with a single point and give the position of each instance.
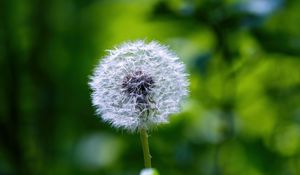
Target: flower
(138, 85)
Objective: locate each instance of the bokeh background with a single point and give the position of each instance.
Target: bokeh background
(242, 116)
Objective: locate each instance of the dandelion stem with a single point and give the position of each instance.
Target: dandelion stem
(145, 146)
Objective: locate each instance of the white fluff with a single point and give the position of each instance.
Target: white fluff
(117, 106)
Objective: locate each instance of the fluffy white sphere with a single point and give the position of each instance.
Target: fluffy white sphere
(138, 85)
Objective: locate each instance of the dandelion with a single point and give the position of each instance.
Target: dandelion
(138, 85)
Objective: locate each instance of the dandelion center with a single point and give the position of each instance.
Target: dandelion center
(139, 85)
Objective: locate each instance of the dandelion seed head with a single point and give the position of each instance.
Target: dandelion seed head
(138, 85)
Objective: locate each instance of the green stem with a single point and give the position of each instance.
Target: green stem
(145, 146)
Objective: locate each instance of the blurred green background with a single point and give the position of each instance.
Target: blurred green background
(242, 117)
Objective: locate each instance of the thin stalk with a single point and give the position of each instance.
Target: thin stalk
(145, 146)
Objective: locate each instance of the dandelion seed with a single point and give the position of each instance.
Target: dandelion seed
(138, 85)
